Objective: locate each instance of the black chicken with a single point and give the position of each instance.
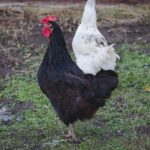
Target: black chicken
(73, 94)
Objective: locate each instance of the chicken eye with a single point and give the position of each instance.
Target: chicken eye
(50, 25)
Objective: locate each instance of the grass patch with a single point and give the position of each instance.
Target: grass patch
(121, 125)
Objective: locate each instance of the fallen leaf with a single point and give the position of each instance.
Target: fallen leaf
(147, 89)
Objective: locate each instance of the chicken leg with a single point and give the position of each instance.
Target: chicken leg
(71, 134)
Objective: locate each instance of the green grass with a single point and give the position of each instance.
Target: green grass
(115, 127)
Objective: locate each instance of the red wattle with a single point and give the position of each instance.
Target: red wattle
(46, 32)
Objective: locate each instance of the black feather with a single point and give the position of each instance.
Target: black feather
(73, 94)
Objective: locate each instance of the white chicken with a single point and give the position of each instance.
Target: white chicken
(90, 47)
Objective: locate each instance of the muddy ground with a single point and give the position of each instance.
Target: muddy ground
(11, 57)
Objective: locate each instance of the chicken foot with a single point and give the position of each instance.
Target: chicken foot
(71, 134)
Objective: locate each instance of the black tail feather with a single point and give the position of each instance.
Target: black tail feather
(107, 81)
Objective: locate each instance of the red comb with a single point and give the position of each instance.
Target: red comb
(48, 18)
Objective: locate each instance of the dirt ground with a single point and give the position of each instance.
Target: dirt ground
(11, 57)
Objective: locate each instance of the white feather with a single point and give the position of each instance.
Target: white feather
(90, 46)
